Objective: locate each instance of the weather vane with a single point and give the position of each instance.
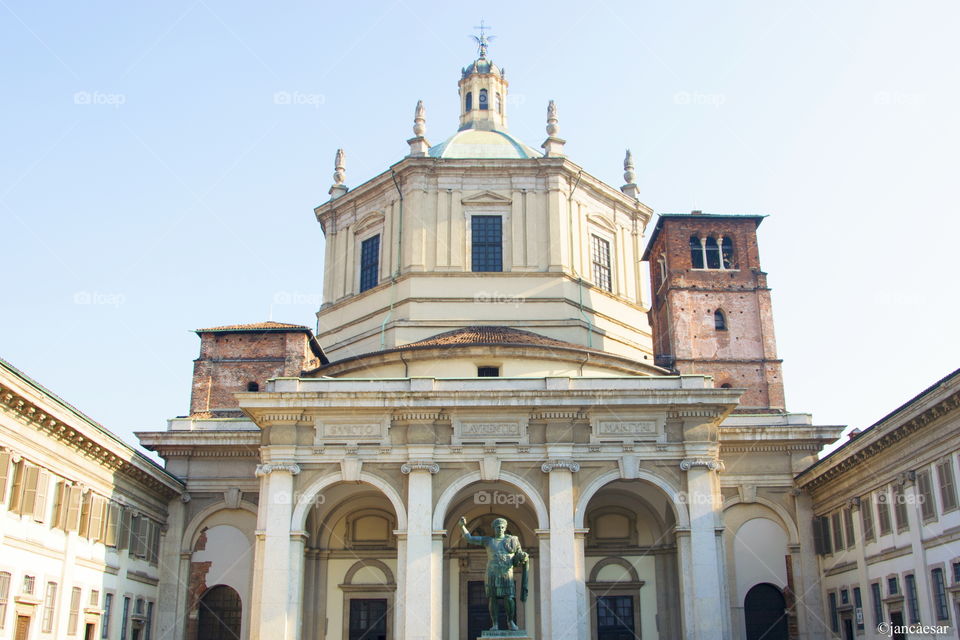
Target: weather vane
(483, 41)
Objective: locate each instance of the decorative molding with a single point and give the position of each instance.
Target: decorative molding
(266, 469)
(710, 463)
(419, 465)
(185, 497)
(570, 465)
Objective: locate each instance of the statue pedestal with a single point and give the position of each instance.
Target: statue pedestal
(514, 634)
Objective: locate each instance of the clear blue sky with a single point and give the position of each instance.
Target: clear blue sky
(152, 183)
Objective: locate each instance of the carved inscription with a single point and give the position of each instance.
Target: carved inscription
(617, 428)
(485, 429)
(370, 430)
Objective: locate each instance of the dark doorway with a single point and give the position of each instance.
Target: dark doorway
(848, 629)
(478, 610)
(23, 628)
(765, 613)
(220, 614)
(90, 632)
(368, 619)
(615, 618)
(896, 620)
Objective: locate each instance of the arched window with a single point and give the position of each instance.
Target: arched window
(469, 101)
(253, 386)
(713, 253)
(696, 252)
(483, 100)
(726, 385)
(499, 104)
(220, 614)
(719, 320)
(726, 251)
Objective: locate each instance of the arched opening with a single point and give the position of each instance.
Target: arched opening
(464, 565)
(350, 563)
(631, 562)
(220, 614)
(726, 250)
(483, 100)
(469, 101)
(696, 252)
(719, 320)
(253, 386)
(764, 611)
(713, 253)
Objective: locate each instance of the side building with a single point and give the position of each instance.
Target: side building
(887, 520)
(82, 518)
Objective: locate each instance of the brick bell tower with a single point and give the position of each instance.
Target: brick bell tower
(711, 311)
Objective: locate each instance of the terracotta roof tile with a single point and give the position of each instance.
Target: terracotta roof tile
(256, 326)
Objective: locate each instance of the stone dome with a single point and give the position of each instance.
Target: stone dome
(476, 143)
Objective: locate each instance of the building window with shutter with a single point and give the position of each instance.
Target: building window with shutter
(74, 617)
(837, 531)
(928, 506)
(948, 488)
(900, 508)
(866, 515)
(4, 595)
(486, 237)
(369, 263)
(4, 475)
(883, 512)
(910, 584)
(848, 527)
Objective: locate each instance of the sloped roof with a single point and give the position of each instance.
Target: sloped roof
(256, 326)
(489, 335)
(477, 143)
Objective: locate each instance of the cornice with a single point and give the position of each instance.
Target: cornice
(32, 415)
(873, 444)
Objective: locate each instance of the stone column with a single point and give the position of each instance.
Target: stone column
(273, 563)
(809, 596)
(173, 573)
(702, 589)
(421, 588)
(564, 591)
(925, 604)
(298, 543)
(543, 588)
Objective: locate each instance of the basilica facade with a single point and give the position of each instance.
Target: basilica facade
(490, 346)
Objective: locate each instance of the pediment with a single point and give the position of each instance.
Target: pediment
(372, 219)
(486, 197)
(602, 221)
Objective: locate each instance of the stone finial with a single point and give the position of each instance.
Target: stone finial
(419, 119)
(630, 175)
(553, 126)
(553, 145)
(418, 144)
(339, 175)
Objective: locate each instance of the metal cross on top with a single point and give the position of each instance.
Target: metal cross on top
(483, 41)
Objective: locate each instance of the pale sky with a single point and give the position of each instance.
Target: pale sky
(161, 162)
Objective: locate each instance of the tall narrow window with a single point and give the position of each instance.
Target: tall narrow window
(719, 320)
(696, 253)
(948, 488)
(713, 253)
(858, 605)
(837, 531)
(4, 595)
(877, 599)
(928, 508)
(866, 514)
(148, 623)
(74, 617)
(726, 252)
(125, 619)
(893, 586)
(469, 101)
(499, 104)
(107, 610)
(483, 100)
(900, 508)
(940, 594)
(883, 512)
(662, 264)
(910, 584)
(487, 241)
(49, 605)
(369, 263)
(834, 616)
(600, 253)
(4, 474)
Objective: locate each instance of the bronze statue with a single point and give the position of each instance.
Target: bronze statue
(503, 554)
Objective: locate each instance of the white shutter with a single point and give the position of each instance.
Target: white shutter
(40, 503)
